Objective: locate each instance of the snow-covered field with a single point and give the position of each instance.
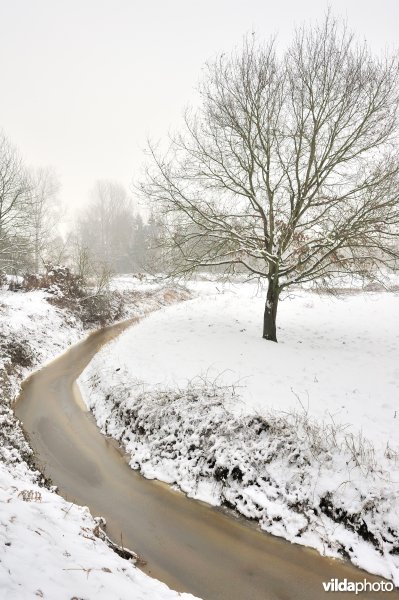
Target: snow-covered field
(302, 435)
(48, 546)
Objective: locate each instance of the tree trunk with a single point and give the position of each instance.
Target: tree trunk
(36, 253)
(270, 314)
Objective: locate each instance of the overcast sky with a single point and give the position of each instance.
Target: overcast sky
(83, 83)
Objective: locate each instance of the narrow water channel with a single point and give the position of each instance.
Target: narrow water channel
(189, 545)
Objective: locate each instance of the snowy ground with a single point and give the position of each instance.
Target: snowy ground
(302, 435)
(48, 546)
(49, 550)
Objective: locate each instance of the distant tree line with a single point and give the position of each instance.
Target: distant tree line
(111, 232)
(109, 235)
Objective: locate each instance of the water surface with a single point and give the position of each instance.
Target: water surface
(189, 545)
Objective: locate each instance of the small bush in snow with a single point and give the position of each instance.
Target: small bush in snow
(67, 290)
(57, 280)
(17, 351)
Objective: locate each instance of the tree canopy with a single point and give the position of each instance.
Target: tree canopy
(288, 170)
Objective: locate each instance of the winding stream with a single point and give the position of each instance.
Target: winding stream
(189, 545)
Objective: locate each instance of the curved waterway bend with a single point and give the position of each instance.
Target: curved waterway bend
(189, 545)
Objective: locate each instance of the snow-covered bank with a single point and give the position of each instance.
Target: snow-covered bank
(49, 546)
(32, 332)
(50, 550)
(302, 436)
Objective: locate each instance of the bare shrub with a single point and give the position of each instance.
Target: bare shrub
(102, 308)
(30, 496)
(56, 280)
(90, 301)
(17, 351)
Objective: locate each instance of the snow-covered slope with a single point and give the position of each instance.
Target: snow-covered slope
(302, 435)
(49, 550)
(32, 332)
(48, 546)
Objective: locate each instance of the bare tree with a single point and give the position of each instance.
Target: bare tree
(14, 202)
(289, 168)
(44, 213)
(108, 227)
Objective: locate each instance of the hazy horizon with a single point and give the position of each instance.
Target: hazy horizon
(85, 84)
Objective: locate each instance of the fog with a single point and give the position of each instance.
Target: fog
(84, 84)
